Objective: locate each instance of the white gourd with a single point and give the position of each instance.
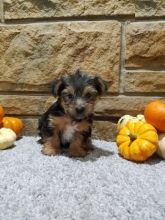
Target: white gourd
(161, 145)
(7, 138)
(126, 118)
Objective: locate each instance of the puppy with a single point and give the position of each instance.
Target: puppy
(67, 124)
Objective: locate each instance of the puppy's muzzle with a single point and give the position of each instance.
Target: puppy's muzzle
(80, 109)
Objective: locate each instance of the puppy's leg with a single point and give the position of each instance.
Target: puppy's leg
(76, 148)
(88, 145)
(51, 145)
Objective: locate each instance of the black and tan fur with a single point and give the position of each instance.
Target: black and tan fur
(67, 124)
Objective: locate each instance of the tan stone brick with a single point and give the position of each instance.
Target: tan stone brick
(15, 9)
(23, 105)
(109, 7)
(116, 106)
(107, 106)
(105, 130)
(32, 55)
(145, 45)
(149, 8)
(145, 82)
(30, 126)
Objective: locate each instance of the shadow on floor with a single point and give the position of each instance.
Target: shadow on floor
(95, 154)
(151, 161)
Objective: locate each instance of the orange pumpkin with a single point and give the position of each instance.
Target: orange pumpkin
(15, 124)
(154, 114)
(1, 114)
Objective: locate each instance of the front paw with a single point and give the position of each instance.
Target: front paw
(89, 147)
(77, 152)
(50, 151)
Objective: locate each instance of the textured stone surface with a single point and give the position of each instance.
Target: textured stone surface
(145, 82)
(1, 6)
(30, 126)
(105, 130)
(148, 8)
(113, 106)
(15, 9)
(32, 55)
(109, 7)
(23, 105)
(145, 45)
(117, 106)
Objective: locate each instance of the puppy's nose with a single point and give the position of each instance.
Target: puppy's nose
(80, 109)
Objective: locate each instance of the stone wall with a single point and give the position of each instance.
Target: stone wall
(121, 40)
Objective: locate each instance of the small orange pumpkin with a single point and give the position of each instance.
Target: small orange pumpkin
(15, 124)
(154, 114)
(1, 114)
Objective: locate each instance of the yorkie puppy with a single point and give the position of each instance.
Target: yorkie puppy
(67, 124)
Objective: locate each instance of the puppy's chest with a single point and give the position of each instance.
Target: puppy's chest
(68, 132)
(67, 127)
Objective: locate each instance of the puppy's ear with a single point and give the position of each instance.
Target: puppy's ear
(57, 86)
(100, 85)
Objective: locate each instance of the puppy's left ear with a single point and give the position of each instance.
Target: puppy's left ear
(57, 86)
(100, 85)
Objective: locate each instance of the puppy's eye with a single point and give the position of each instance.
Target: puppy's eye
(88, 96)
(70, 96)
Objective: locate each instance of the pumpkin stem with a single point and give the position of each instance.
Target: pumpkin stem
(133, 137)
